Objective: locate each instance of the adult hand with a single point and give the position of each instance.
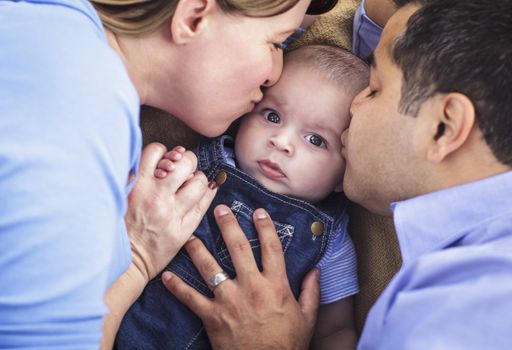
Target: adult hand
(164, 212)
(256, 310)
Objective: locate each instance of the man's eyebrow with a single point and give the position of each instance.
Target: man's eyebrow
(371, 60)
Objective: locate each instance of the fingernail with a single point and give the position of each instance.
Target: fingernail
(317, 275)
(159, 173)
(212, 185)
(260, 214)
(191, 238)
(166, 276)
(221, 210)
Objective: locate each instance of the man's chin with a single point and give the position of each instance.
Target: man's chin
(357, 194)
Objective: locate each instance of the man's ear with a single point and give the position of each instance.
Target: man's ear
(455, 119)
(189, 19)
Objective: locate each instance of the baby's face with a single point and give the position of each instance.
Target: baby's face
(290, 143)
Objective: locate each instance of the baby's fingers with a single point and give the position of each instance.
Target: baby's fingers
(175, 154)
(164, 167)
(181, 173)
(166, 164)
(151, 155)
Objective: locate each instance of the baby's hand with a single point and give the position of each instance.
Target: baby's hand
(166, 164)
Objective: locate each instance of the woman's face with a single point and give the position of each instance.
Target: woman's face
(223, 69)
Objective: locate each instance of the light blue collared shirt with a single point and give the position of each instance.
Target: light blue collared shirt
(454, 290)
(69, 136)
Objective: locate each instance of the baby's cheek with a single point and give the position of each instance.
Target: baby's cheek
(338, 180)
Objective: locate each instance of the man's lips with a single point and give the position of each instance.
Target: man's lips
(271, 169)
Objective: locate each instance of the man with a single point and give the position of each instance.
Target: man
(430, 143)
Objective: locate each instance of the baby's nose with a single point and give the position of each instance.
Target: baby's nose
(282, 143)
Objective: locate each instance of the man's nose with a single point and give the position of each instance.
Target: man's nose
(357, 100)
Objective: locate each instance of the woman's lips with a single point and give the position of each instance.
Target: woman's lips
(271, 170)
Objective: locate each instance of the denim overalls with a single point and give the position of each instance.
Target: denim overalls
(158, 320)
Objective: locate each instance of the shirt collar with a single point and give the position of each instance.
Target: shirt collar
(435, 220)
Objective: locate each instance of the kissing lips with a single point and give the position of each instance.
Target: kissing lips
(271, 169)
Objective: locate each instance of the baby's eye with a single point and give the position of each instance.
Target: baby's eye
(316, 140)
(272, 116)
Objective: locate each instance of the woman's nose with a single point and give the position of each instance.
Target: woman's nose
(276, 69)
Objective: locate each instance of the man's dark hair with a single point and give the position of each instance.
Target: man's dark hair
(461, 46)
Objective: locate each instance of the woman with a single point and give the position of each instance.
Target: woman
(70, 89)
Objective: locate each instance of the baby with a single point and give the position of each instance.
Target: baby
(286, 158)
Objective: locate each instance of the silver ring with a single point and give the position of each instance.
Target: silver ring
(217, 279)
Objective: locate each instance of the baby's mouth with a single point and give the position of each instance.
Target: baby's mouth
(271, 169)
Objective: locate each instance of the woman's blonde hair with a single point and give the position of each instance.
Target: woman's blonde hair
(142, 16)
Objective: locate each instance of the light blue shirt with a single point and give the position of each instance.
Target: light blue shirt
(454, 290)
(365, 33)
(69, 136)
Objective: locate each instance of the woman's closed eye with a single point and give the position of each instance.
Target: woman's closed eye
(272, 116)
(278, 46)
(316, 140)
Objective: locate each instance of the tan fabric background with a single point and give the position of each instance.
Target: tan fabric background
(334, 27)
(374, 236)
(378, 257)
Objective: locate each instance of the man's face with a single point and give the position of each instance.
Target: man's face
(380, 145)
(290, 143)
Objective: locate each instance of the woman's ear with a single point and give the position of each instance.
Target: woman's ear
(189, 19)
(455, 119)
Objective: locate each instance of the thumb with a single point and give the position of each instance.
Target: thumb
(193, 217)
(151, 155)
(309, 298)
(206, 200)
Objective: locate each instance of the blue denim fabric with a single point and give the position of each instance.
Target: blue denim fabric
(366, 33)
(159, 321)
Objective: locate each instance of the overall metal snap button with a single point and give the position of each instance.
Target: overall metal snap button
(317, 228)
(221, 177)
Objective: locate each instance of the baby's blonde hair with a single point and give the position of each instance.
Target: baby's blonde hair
(142, 16)
(337, 65)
